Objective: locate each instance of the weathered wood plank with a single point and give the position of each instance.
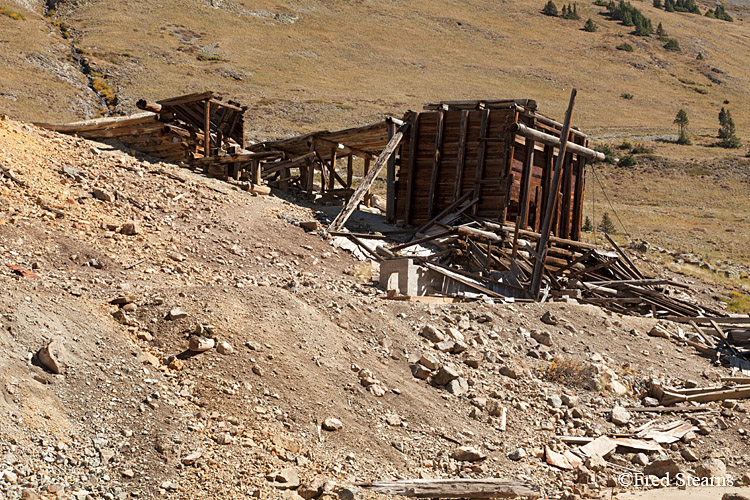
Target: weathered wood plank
(455, 488)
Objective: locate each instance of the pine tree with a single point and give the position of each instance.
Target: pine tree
(727, 132)
(660, 33)
(673, 45)
(606, 225)
(657, 4)
(700, 56)
(590, 26)
(550, 9)
(682, 121)
(669, 5)
(587, 225)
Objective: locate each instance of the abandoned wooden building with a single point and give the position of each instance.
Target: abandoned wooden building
(500, 154)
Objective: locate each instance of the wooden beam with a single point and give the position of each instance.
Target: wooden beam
(351, 205)
(526, 176)
(455, 488)
(479, 172)
(207, 128)
(390, 183)
(185, 99)
(551, 140)
(101, 123)
(461, 156)
(412, 166)
(536, 280)
(436, 157)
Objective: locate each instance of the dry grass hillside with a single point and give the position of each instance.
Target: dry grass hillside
(307, 65)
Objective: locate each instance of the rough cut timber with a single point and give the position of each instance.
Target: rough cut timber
(455, 488)
(503, 150)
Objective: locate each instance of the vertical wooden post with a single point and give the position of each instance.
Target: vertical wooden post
(368, 195)
(567, 185)
(526, 176)
(461, 156)
(311, 172)
(349, 170)
(479, 173)
(541, 249)
(207, 128)
(390, 197)
(332, 173)
(578, 201)
(434, 177)
(414, 121)
(255, 175)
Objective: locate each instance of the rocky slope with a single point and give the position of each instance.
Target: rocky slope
(309, 381)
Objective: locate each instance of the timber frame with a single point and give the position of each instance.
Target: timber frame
(498, 152)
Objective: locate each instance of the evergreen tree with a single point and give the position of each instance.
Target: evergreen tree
(710, 13)
(660, 33)
(606, 225)
(682, 121)
(590, 26)
(669, 5)
(657, 4)
(727, 132)
(550, 9)
(575, 11)
(587, 225)
(700, 56)
(673, 45)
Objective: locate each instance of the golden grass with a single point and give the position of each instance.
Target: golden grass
(13, 14)
(737, 303)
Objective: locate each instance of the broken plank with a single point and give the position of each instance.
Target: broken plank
(455, 488)
(359, 193)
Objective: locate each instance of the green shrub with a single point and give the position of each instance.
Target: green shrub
(625, 145)
(206, 57)
(607, 151)
(590, 26)
(626, 95)
(673, 45)
(627, 161)
(625, 46)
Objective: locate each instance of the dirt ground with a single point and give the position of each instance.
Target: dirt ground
(136, 413)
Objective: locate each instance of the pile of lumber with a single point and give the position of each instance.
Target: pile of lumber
(146, 132)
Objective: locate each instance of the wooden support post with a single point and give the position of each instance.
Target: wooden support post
(461, 156)
(564, 231)
(368, 194)
(332, 173)
(310, 184)
(480, 158)
(541, 249)
(255, 171)
(526, 175)
(412, 166)
(390, 201)
(434, 178)
(578, 199)
(351, 205)
(207, 128)
(349, 170)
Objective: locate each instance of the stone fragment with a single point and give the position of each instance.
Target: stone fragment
(129, 229)
(508, 372)
(332, 424)
(420, 371)
(200, 344)
(658, 331)
(619, 415)
(542, 337)
(54, 356)
(457, 386)
(284, 479)
(689, 455)
(445, 375)
(517, 454)
(662, 467)
(191, 458)
(711, 467)
(432, 334)
(468, 454)
(554, 401)
(640, 459)
(177, 313)
(102, 194)
(429, 361)
(225, 348)
(550, 318)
